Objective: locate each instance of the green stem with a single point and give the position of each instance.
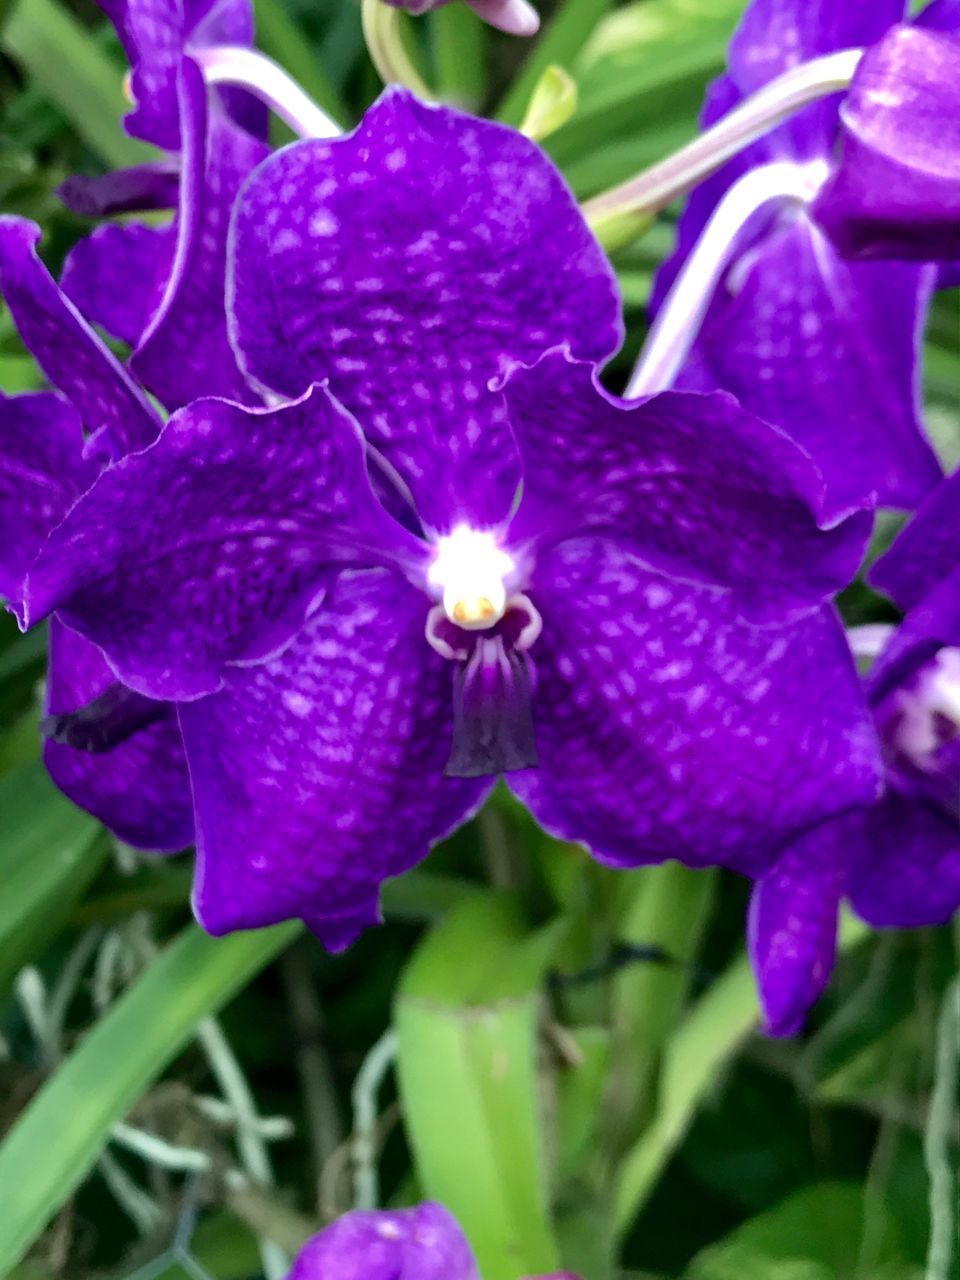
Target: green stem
(668, 909)
(384, 40)
(460, 53)
(707, 1038)
(665, 182)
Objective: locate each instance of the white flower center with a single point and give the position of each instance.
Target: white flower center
(471, 570)
(936, 696)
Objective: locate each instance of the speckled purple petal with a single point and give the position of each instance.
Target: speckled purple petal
(155, 34)
(409, 263)
(115, 276)
(213, 546)
(185, 353)
(424, 1243)
(896, 191)
(925, 551)
(320, 773)
(775, 35)
(67, 350)
(669, 729)
(140, 789)
(146, 186)
(792, 923)
(829, 351)
(42, 472)
(908, 874)
(694, 485)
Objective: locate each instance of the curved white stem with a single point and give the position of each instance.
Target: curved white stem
(678, 323)
(665, 182)
(248, 69)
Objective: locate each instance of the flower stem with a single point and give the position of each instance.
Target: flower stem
(613, 213)
(234, 65)
(381, 31)
(678, 322)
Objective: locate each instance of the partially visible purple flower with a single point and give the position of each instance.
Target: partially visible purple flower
(424, 1243)
(124, 760)
(895, 192)
(898, 862)
(824, 347)
(518, 17)
(641, 644)
(162, 290)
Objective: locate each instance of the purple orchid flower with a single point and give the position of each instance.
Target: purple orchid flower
(895, 192)
(424, 1243)
(361, 626)
(825, 347)
(518, 17)
(899, 861)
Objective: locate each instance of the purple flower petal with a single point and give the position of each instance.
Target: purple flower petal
(694, 485)
(42, 472)
(792, 926)
(925, 551)
(941, 15)
(518, 17)
(185, 353)
(775, 35)
(116, 277)
(424, 1243)
(908, 874)
(410, 263)
(667, 728)
(67, 350)
(931, 624)
(896, 191)
(828, 350)
(247, 510)
(320, 773)
(146, 186)
(140, 789)
(155, 34)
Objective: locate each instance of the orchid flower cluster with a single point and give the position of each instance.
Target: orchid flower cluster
(358, 529)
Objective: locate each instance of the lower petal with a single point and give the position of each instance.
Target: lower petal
(668, 728)
(908, 873)
(792, 929)
(320, 774)
(140, 790)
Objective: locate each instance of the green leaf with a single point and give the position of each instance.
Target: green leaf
(75, 74)
(706, 1039)
(466, 1022)
(280, 37)
(815, 1234)
(65, 1127)
(49, 853)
